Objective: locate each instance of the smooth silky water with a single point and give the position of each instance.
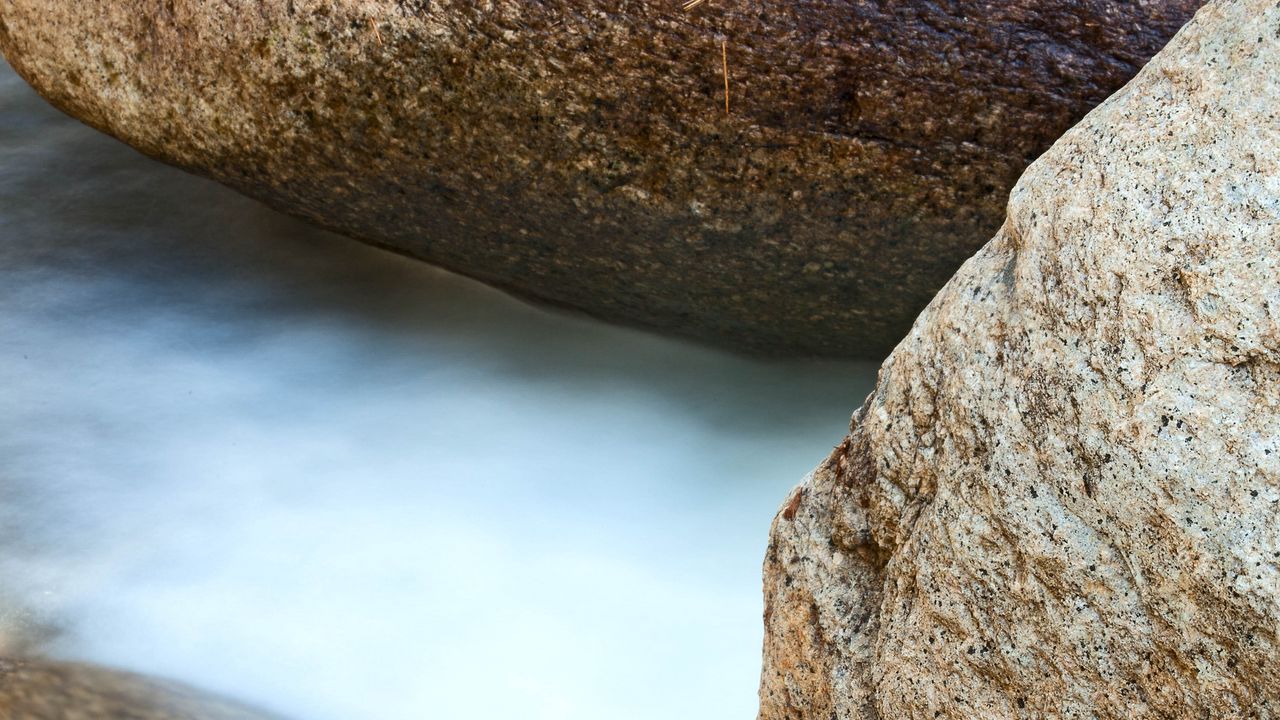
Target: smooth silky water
(340, 484)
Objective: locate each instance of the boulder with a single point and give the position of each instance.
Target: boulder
(1062, 500)
(585, 152)
(71, 691)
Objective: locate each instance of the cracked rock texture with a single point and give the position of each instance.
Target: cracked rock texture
(1063, 498)
(32, 690)
(578, 151)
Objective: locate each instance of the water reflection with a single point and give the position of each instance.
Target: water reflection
(340, 484)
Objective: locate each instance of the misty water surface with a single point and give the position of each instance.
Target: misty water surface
(278, 464)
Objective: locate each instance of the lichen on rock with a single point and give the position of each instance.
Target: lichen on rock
(1063, 498)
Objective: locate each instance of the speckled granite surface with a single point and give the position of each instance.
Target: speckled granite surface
(1061, 501)
(579, 152)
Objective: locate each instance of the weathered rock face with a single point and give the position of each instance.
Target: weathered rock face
(578, 151)
(1063, 498)
(69, 691)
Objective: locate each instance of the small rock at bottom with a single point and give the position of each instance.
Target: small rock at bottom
(39, 690)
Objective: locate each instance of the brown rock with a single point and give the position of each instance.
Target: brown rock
(579, 151)
(1063, 498)
(71, 691)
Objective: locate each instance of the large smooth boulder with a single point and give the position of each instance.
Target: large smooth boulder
(1063, 498)
(31, 690)
(579, 151)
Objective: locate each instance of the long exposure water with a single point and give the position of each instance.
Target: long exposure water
(339, 484)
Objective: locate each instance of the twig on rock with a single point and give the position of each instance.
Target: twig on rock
(724, 59)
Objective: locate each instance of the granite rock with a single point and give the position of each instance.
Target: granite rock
(31, 690)
(579, 151)
(1063, 498)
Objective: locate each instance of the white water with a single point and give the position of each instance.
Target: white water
(341, 485)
